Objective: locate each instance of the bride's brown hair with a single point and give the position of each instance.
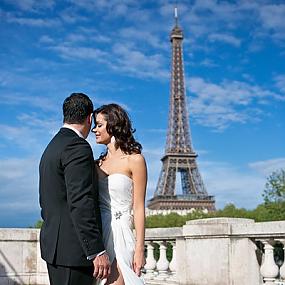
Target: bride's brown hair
(119, 125)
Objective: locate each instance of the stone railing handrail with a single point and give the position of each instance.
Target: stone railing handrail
(235, 227)
(163, 233)
(16, 234)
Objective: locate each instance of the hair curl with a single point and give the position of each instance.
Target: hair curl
(119, 125)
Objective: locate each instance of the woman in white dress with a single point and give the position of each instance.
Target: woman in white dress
(122, 178)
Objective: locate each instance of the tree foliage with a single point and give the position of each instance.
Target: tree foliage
(275, 187)
(262, 213)
(38, 224)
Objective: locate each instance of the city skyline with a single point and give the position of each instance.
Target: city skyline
(119, 51)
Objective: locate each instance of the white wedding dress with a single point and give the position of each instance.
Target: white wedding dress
(115, 199)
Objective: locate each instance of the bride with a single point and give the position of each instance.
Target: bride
(122, 179)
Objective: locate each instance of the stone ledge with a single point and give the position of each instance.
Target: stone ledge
(163, 233)
(220, 220)
(233, 227)
(14, 234)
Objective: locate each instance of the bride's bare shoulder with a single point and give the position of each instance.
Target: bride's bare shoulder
(136, 158)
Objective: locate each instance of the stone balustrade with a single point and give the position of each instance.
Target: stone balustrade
(218, 251)
(161, 270)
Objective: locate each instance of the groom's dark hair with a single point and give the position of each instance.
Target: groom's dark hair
(76, 108)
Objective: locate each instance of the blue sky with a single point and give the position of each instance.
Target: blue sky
(119, 51)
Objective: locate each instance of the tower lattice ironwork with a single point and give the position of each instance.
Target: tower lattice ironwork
(179, 157)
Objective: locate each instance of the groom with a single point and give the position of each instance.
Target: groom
(70, 239)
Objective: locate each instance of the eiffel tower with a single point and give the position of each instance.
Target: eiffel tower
(179, 157)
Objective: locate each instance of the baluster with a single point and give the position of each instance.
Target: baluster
(282, 268)
(172, 264)
(150, 261)
(269, 270)
(163, 263)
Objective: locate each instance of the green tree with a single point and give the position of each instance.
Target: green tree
(274, 191)
(38, 224)
(274, 196)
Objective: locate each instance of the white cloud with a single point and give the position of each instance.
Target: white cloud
(144, 36)
(228, 39)
(219, 105)
(46, 125)
(280, 82)
(13, 168)
(135, 62)
(24, 137)
(34, 22)
(82, 53)
(30, 133)
(75, 37)
(19, 184)
(208, 62)
(42, 103)
(94, 35)
(31, 5)
(127, 54)
(272, 18)
(157, 131)
(266, 167)
(45, 39)
(230, 184)
(113, 8)
(43, 86)
(71, 16)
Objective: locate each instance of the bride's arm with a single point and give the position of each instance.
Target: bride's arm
(139, 175)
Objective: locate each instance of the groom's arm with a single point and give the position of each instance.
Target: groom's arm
(77, 160)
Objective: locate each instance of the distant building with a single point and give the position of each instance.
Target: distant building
(179, 156)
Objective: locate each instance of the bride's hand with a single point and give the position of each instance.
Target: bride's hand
(139, 261)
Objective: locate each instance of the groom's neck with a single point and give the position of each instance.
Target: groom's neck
(78, 128)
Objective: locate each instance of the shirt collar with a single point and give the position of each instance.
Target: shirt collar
(65, 125)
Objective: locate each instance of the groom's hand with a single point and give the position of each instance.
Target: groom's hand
(102, 267)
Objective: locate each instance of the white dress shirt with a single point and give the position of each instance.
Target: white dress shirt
(68, 126)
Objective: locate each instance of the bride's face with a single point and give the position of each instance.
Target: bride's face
(102, 136)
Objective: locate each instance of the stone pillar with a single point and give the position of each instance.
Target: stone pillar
(162, 264)
(150, 260)
(215, 252)
(269, 270)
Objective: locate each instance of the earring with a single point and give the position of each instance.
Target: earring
(113, 140)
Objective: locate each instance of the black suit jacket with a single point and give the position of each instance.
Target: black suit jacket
(71, 228)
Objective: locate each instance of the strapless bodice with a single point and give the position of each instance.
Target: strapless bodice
(116, 193)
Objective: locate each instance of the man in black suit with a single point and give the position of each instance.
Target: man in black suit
(71, 241)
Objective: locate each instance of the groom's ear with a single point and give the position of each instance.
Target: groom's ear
(89, 118)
